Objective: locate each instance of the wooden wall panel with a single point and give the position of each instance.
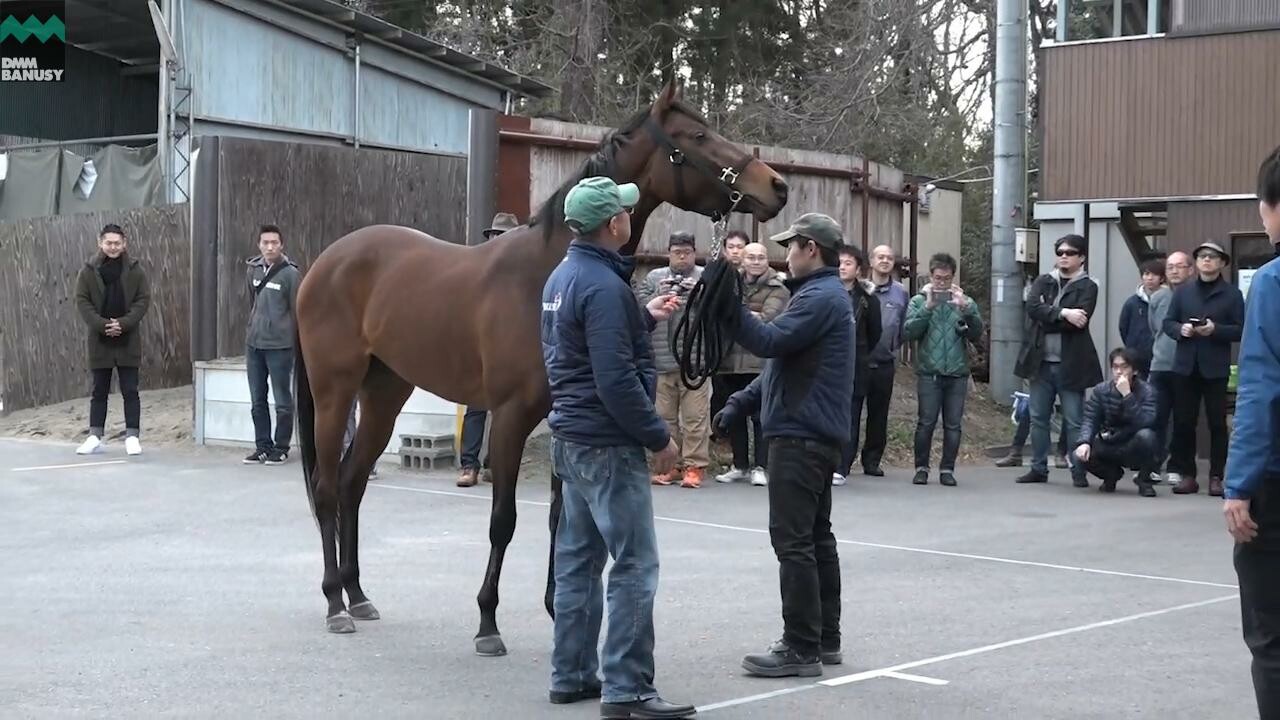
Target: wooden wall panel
(43, 339)
(1158, 117)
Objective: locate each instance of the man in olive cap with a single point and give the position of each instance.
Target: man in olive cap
(475, 419)
(595, 344)
(805, 412)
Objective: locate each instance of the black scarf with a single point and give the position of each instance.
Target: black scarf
(113, 301)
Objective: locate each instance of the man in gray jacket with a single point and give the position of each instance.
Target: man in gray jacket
(884, 356)
(273, 289)
(686, 412)
(1177, 268)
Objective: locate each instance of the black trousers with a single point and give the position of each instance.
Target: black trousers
(743, 458)
(879, 390)
(800, 530)
(1258, 571)
(1163, 381)
(1108, 460)
(1189, 392)
(128, 377)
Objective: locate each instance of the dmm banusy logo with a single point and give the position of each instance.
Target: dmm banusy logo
(33, 40)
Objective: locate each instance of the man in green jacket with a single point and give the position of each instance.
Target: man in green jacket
(112, 297)
(941, 317)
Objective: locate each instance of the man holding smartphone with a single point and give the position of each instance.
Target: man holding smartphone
(1205, 316)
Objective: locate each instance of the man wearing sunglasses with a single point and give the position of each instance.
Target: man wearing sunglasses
(1058, 355)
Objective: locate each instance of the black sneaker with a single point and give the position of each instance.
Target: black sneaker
(276, 457)
(1033, 477)
(257, 457)
(782, 661)
(921, 478)
(566, 697)
(947, 478)
(873, 471)
(829, 656)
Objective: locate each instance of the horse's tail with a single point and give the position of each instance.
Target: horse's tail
(306, 411)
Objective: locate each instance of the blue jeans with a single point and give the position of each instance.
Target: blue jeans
(945, 394)
(607, 511)
(276, 365)
(473, 437)
(1044, 389)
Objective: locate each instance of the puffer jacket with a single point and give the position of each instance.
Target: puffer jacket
(664, 333)
(766, 295)
(867, 331)
(942, 348)
(1120, 417)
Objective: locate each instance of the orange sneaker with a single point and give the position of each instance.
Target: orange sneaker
(692, 478)
(667, 479)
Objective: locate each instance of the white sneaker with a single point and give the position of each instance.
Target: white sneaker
(132, 446)
(838, 479)
(759, 477)
(733, 475)
(91, 445)
(1173, 478)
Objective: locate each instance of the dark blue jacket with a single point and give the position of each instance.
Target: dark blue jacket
(1219, 301)
(1254, 456)
(1120, 417)
(807, 382)
(595, 343)
(1135, 328)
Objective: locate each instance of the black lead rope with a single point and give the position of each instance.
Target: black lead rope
(704, 334)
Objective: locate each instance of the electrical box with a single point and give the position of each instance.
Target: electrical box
(1026, 245)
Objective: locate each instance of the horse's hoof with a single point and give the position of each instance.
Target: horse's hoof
(490, 646)
(341, 623)
(364, 611)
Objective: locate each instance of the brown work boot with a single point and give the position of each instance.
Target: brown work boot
(467, 478)
(692, 478)
(666, 479)
(1215, 486)
(1188, 486)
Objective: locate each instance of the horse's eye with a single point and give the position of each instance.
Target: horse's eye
(700, 136)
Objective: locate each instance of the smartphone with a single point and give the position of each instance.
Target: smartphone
(1198, 322)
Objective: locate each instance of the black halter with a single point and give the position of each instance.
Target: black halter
(726, 177)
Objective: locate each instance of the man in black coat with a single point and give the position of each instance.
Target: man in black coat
(1205, 316)
(1058, 355)
(866, 323)
(1118, 427)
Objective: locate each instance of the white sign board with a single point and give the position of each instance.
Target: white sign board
(1245, 279)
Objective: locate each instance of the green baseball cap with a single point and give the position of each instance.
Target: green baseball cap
(594, 200)
(817, 227)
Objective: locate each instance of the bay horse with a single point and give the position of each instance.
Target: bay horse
(385, 309)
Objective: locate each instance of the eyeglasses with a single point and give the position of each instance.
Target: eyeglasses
(1067, 253)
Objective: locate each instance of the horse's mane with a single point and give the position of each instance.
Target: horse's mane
(603, 161)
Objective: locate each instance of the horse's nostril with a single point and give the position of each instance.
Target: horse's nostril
(780, 186)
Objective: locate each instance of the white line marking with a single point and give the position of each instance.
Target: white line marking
(834, 682)
(915, 678)
(71, 465)
(754, 698)
(879, 546)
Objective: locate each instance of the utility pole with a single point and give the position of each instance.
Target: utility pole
(1008, 209)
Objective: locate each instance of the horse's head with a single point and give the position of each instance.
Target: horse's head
(694, 168)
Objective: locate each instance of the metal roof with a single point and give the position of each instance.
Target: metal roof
(122, 30)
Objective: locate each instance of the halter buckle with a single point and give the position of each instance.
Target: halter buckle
(735, 197)
(677, 157)
(728, 175)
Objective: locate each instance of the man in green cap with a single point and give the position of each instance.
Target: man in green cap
(595, 343)
(804, 396)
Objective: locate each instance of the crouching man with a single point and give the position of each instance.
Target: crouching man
(1118, 427)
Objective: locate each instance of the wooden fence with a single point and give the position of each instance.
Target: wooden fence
(315, 194)
(868, 199)
(42, 338)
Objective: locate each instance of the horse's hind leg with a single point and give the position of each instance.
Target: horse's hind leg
(382, 397)
(512, 424)
(332, 405)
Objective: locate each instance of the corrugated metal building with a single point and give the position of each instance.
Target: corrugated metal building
(1152, 136)
(294, 70)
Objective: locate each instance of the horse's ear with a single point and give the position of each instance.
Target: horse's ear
(666, 97)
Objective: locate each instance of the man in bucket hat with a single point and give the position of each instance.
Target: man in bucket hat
(475, 419)
(1206, 315)
(595, 344)
(803, 397)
